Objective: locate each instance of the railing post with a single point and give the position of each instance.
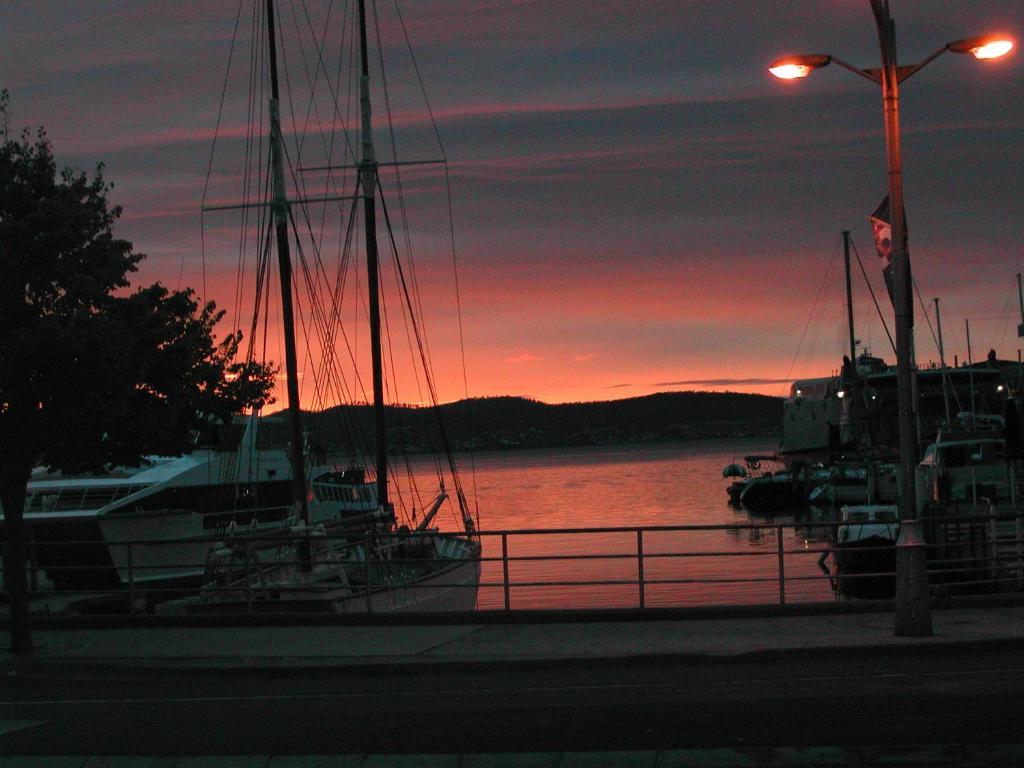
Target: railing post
(640, 566)
(1020, 551)
(782, 565)
(33, 561)
(993, 535)
(504, 569)
(366, 573)
(131, 578)
(248, 578)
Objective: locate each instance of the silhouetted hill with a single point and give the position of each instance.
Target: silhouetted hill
(516, 422)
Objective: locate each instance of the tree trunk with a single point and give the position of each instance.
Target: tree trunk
(13, 481)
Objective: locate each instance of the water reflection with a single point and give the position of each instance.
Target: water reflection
(649, 485)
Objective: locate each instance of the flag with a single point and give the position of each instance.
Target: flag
(883, 243)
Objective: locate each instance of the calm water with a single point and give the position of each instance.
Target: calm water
(647, 485)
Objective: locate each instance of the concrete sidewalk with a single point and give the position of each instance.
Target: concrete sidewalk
(346, 645)
(927, 756)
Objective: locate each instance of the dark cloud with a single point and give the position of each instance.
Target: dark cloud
(626, 177)
(720, 382)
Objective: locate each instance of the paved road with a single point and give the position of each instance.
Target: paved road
(853, 698)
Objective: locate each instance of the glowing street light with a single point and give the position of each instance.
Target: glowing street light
(913, 612)
(987, 47)
(796, 67)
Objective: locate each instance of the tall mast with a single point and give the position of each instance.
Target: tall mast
(854, 400)
(942, 361)
(970, 363)
(1020, 298)
(279, 205)
(849, 296)
(368, 181)
(1020, 334)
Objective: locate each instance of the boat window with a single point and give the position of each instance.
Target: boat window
(70, 499)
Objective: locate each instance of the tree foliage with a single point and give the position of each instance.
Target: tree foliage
(91, 374)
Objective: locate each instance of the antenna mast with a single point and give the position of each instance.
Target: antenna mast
(368, 181)
(279, 206)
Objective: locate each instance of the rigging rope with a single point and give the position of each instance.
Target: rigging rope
(319, 297)
(826, 278)
(874, 299)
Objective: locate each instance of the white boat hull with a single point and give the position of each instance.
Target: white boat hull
(171, 546)
(452, 589)
(447, 580)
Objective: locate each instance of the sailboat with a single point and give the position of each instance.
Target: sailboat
(360, 562)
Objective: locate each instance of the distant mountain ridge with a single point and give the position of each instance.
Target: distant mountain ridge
(493, 423)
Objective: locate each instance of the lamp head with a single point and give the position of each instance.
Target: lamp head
(796, 67)
(983, 47)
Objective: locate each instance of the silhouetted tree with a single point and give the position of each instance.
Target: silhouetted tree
(91, 375)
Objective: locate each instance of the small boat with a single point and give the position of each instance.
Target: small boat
(849, 484)
(769, 491)
(865, 550)
(968, 462)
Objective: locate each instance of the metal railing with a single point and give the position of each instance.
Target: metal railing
(637, 567)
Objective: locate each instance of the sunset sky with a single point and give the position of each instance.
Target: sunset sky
(638, 205)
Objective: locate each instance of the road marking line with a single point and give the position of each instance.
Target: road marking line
(491, 691)
(10, 726)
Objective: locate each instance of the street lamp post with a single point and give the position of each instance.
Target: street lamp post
(913, 613)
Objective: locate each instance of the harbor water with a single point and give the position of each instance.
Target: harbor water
(674, 484)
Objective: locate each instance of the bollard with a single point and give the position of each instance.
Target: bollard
(913, 608)
(640, 567)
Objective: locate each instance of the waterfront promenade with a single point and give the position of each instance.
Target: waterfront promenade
(525, 638)
(750, 687)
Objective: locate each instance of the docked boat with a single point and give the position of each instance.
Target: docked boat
(771, 492)
(314, 571)
(763, 490)
(386, 558)
(861, 482)
(865, 550)
(155, 523)
(968, 463)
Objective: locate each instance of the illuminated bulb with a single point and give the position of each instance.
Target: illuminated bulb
(841, 394)
(993, 50)
(984, 47)
(791, 71)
